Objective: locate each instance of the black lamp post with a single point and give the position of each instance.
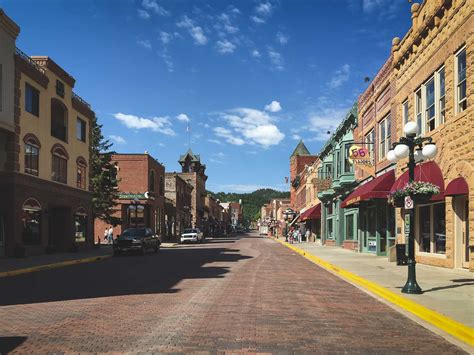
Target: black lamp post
(413, 147)
(288, 216)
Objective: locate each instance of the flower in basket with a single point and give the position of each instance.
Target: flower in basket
(415, 189)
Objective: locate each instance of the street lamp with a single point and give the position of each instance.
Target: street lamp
(416, 148)
(288, 216)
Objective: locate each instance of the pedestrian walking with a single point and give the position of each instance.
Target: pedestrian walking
(299, 236)
(110, 235)
(307, 234)
(106, 234)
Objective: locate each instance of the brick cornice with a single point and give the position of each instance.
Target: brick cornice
(9, 25)
(26, 68)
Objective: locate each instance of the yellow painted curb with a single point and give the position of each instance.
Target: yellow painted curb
(52, 266)
(460, 331)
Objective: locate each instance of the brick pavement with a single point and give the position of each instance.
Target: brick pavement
(246, 294)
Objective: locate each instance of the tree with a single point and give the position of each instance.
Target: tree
(103, 175)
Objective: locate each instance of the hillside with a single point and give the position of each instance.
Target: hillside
(253, 201)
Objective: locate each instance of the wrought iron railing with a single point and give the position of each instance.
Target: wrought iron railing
(80, 99)
(30, 61)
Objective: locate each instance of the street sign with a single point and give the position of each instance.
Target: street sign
(408, 203)
(407, 225)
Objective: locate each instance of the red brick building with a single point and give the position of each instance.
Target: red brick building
(140, 179)
(178, 212)
(298, 160)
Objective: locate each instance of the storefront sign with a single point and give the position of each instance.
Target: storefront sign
(407, 225)
(362, 159)
(322, 184)
(126, 196)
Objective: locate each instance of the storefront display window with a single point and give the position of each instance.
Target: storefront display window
(31, 222)
(136, 216)
(432, 228)
(350, 227)
(330, 229)
(80, 222)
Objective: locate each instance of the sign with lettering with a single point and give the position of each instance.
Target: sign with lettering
(130, 196)
(362, 159)
(407, 225)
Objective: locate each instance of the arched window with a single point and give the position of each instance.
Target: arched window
(59, 165)
(59, 120)
(151, 181)
(162, 186)
(32, 147)
(31, 221)
(81, 172)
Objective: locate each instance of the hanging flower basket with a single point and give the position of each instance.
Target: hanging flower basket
(420, 192)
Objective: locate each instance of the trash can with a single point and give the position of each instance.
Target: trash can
(401, 254)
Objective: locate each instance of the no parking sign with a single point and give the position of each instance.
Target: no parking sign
(408, 203)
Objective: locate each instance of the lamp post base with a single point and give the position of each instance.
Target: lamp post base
(412, 287)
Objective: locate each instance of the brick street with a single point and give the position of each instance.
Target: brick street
(238, 294)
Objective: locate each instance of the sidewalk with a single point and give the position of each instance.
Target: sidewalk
(449, 292)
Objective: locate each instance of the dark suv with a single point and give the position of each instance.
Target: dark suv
(137, 239)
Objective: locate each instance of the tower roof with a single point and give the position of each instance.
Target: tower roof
(194, 157)
(300, 149)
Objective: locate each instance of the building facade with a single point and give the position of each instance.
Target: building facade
(374, 134)
(178, 192)
(433, 69)
(141, 194)
(300, 158)
(194, 173)
(335, 181)
(46, 204)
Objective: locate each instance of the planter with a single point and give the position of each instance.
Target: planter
(398, 202)
(421, 199)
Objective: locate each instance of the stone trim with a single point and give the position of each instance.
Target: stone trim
(58, 146)
(33, 73)
(49, 63)
(81, 161)
(30, 136)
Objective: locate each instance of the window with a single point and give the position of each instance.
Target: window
(405, 112)
(348, 167)
(31, 158)
(32, 100)
(442, 98)
(369, 139)
(461, 83)
(330, 208)
(162, 186)
(382, 140)
(337, 158)
(349, 227)
(81, 129)
(59, 88)
(418, 113)
(31, 222)
(81, 173)
(80, 223)
(432, 228)
(330, 229)
(58, 120)
(430, 105)
(59, 166)
(151, 182)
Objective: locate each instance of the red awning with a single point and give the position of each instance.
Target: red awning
(376, 188)
(457, 186)
(312, 213)
(428, 172)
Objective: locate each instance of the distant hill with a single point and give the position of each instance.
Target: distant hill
(253, 201)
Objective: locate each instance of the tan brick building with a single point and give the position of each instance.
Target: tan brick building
(45, 203)
(178, 192)
(434, 73)
(140, 179)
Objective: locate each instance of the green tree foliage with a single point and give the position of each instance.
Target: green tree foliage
(103, 175)
(252, 202)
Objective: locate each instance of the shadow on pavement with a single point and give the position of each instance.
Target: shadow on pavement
(124, 275)
(8, 344)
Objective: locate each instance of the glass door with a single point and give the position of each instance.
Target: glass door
(370, 237)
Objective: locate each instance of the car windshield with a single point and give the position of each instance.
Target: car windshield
(190, 231)
(134, 232)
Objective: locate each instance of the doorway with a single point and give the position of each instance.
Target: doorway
(59, 228)
(461, 231)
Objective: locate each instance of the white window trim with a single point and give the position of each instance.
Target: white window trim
(405, 114)
(386, 144)
(456, 83)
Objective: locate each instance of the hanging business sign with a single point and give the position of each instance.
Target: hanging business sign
(362, 159)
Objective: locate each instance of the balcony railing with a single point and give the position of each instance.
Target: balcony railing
(80, 99)
(30, 61)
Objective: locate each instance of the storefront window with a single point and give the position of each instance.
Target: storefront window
(350, 227)
(329, 208)
(31, 222)
(330, 229)
(80, 222)
(432, 228)
(136, 216)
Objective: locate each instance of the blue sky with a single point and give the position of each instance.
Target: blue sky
(249, 78)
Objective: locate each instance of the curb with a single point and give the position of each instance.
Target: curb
(52, 266)
(458, 330)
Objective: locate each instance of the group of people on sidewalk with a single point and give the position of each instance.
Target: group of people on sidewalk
(295, 235)
(109, 235)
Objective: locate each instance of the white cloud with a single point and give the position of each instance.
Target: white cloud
(228, 136)
(276, 59)
(225, 47)
(196, 32)
(143, 14)
(257, 19)
(144, 43)
(340, 77)
(215, 141)
(324, 121)
(265, 8)
(226, 24)
(296, 137)
(157, 124)
(165, 37)
(183, 117)
(256, 54)
(117, 139)
(250, 126)
(167, 60)
(273, 106)
(152, 5)
(282, 38)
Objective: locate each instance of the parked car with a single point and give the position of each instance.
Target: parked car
(137, 239)
(192, 235)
